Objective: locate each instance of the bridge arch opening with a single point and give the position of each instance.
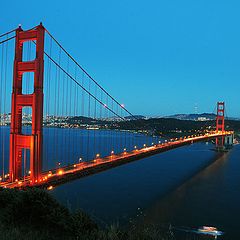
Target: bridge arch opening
(28, 83)
(29, 51)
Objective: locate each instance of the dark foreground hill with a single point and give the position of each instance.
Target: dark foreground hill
(33, 214)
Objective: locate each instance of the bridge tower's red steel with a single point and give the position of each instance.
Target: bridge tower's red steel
(19, 141)
(220, 122)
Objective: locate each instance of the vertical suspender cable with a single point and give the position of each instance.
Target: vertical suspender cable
(94, 136)
(108, 120)
(101, 118)
(83, 131)
(74, 115)
(121, 131)
(66, 114)
(4, 103)
(58, 140)
(49, 154)
(78, 125)
(111, 129)
(2, 113)
(55, 103)
(89, 108)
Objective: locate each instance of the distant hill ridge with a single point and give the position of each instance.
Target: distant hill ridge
(134, 117)
(195, 117)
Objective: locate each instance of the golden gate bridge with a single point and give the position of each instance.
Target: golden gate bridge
(45, 94)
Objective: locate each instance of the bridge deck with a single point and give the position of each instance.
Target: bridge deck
(61, 175)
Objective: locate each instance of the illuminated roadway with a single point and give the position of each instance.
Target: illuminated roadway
(62, 175)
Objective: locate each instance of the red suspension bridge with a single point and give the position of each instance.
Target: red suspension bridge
(63, 124)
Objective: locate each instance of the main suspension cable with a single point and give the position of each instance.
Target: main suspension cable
(88, 74)
(7, 33)
(6, 40)
(90, 94)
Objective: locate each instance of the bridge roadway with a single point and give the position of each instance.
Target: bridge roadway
(62, 175)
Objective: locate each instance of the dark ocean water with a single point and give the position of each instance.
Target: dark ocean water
(187, 187)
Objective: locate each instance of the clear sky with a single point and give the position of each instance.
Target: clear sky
(158, 57)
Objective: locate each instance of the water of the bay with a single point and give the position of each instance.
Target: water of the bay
(189, 187)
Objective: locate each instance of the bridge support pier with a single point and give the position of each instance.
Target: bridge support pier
(223, 144)
(228, 141)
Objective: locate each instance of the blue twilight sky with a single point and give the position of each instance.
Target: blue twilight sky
(158, 57)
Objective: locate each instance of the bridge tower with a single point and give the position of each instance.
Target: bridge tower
(19, 141)
(220, 124)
